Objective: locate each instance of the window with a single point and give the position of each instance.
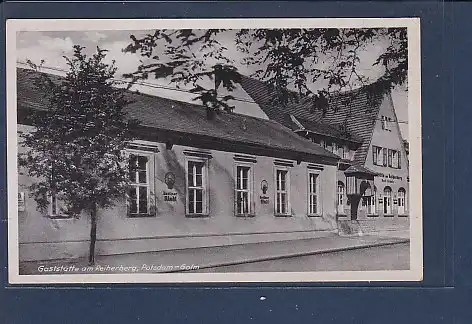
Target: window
(385, 121)
(138, 192)
(53, 207)
(395, 159)
(387, 201)
(345, 153)
(244, 189)
(313, 208)
(324, 144)
(401, 201)
(281, 192)
(197, 187)
(390, 160)
(334, 148)
(385, 156)
(377, 155)
(340, 200)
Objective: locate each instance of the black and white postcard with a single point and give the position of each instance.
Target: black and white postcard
(214, 150)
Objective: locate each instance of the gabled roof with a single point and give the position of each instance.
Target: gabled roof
(327, 130)
(185, 118)
(355, 168)
(359, 110)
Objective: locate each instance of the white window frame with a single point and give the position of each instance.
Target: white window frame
(384, 122)
(148, 184)
(372, 208)
(395, 159)
(53, 208)
(404, 198)
(379, 154)
(205, 187)
(316, 194)
(286, 191)
(387, 202)
(249, 190)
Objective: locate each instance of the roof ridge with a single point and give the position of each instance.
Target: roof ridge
(139, 93)
(341, 93)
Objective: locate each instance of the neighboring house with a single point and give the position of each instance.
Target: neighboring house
(361, 127)
(198, 180)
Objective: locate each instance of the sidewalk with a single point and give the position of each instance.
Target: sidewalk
(200, 258)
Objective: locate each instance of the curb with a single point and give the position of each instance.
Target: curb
(296, 254)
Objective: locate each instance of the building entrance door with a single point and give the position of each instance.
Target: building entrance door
(401, 201)
(387, 201)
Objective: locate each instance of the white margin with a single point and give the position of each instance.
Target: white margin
(414, 123)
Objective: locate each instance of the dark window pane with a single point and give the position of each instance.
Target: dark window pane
(142, 177)
(199, 180)
(132, 168)
(245, 201)
(190, 178)
(278, 209)
(142, 161)
(199, 207)
(238, 202)
(199, 195)
(143, 200)
(191, 200)
(199, 168)
(53, 205)
(282, 202)
(132, 200)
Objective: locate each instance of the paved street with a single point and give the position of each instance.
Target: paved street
(387, 257)
(354, 253)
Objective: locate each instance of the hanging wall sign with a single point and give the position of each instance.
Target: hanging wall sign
(170, 195)
(264, 198)
(169, 180)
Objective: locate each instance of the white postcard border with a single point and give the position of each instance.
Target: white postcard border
(414, 127)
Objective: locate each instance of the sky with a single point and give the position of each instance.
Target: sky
(53, 46)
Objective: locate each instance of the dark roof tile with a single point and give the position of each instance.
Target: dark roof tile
(172, 115)
(357, 109)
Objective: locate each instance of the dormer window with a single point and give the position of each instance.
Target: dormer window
(386, 122)
(383, 121)
(345, 154)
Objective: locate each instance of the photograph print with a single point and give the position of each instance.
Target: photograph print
(267, 150)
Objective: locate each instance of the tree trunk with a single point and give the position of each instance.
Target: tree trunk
(93, 234)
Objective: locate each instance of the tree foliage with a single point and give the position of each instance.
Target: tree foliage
(290, 61)
(76, 148)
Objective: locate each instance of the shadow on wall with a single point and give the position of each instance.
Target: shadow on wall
(173, 165)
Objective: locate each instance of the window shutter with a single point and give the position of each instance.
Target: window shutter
(374, 154)
(385, 157)
(390, 155)
(399, 159)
